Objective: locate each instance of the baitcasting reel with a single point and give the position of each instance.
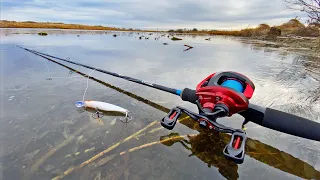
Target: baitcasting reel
(219, 95)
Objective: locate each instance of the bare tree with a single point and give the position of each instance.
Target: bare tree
(311, 7)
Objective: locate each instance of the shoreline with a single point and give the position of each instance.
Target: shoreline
(304, 45)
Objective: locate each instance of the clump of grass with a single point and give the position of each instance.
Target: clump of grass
(293, 23)
(295, 27)
(263, 27)
(306, 32)
(42, 33)
(175, 39)
(291, 26)
(272, 34)
(315, 24)
(275, 31)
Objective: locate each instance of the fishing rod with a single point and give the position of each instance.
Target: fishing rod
(146, 83)
(211, 154)
(219, 95)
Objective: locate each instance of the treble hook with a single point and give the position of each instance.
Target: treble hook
(126, 119)
(98, 114)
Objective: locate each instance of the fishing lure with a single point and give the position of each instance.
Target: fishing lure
(103, 106)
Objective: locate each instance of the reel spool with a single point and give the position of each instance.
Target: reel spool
(227, 91)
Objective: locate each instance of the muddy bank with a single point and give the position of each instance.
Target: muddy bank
(309, 46)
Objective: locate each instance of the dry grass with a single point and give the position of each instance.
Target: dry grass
(292, 27)
(50, 25)
(262, 29)
(293, 23)
(249, 32)
(306, 32)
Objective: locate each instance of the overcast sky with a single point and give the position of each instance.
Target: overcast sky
(162, 14)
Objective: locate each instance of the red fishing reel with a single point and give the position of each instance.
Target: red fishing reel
(226, 91)
(219, 95)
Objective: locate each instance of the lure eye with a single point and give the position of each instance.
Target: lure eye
(79, 104)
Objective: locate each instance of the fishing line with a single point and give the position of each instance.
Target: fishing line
(85, 91)
(48, 71)
(46, 64)
(50, 78)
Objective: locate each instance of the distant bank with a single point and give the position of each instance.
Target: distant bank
(50, 25)
(292, 27)
(55, 25)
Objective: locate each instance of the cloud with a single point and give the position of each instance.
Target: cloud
(161, 14)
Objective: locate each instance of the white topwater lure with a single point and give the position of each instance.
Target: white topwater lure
(102, 106)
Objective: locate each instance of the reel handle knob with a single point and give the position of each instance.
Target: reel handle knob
(170, 120)
(235, 149)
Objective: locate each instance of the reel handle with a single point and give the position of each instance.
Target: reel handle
(235, 149)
